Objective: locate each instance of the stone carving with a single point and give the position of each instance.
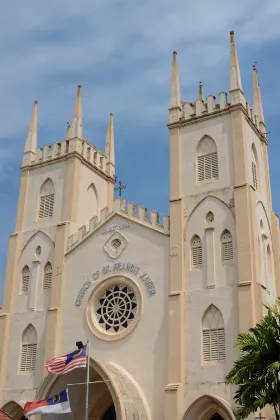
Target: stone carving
(174, 251)
(59, 271)
(115, 245)
(231, 203)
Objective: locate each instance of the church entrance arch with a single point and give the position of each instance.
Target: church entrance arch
(209, 407)
(113, 394)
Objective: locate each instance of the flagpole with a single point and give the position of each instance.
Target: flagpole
(87, 382)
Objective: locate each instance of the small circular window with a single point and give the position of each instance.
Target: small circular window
(114, 307)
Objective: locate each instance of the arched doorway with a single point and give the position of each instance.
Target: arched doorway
(114, 394)
(101, 404)
(209, 407)
(110, 413)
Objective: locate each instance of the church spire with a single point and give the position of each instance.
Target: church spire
(257, 100)
(76, 127)
(110, 141)
(235, 78)
(175, 97)
(201, 91)
(31, 139)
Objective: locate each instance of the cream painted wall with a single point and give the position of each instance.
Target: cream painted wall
(209, 378)
(220, 130)
(251, 138)
(57, 173)
(143, 352)
(88, 177)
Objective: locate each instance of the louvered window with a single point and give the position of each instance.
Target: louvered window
(207, 167)
(214, 347)
(28, 350)
(28, 358)
(227, 246)
(46, 206)
(213, 336)
(46, 200)
(25, 280)
(207, 160)
(196, 252)
(48, 276)
(254, 175)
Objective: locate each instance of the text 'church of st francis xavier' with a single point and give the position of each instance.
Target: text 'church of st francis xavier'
(161, 299)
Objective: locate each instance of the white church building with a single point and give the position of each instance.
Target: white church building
(161, 299)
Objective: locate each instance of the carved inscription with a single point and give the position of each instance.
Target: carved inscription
(117, 268)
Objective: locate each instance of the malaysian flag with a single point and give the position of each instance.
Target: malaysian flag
(64, 364)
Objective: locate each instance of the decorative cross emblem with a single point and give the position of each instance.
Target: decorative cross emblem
(259, 417)
(120, 187)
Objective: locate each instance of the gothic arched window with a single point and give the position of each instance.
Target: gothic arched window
(254, 168)
(28, 350)
(25, 277)
(196, 250)
(213, 335)
(207, 160)
(46, 200)
(226, 246)
(91, 202)
(48, 276)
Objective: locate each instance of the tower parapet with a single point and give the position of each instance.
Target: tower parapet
(104, 162)
(82, 147)
(181, 111)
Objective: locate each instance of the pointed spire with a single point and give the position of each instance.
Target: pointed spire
(235, 78)
(110, 141)
(201, 91)
(175, 97)
(31, 139)
(76, 127)
(257, 100)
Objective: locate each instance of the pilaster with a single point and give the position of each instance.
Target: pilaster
(35, 271)
(23, 190)
(53, 323)
(70, 201)
(8, 306)
(248, 292)
(210, 258)
(174, 402)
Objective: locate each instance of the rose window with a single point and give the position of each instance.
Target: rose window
(116, 309)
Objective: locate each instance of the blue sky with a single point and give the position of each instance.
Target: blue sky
(121, 53)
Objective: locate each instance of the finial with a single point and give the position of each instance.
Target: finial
(31, 139)
(120, 187)
(68, 132)
(235, 78)
(110, 140)
(175, 97)
(201, 91)
(76, 128)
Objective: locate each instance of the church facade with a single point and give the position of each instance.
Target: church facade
(160, 299)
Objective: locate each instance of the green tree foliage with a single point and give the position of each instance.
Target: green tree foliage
(257, 371)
